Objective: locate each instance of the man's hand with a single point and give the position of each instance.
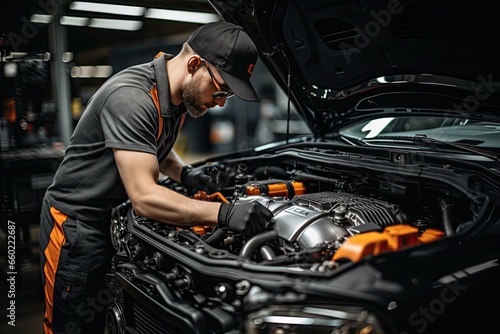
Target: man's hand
(198, 178)
(247, 218)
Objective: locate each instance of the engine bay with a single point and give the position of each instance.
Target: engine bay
(325, 213)
(343, 226)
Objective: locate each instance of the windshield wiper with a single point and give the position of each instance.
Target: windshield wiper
(432, 142)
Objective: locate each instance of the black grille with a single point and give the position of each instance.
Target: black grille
(147, 323)
(358, 209)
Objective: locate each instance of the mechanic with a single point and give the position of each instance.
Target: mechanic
(121, 144)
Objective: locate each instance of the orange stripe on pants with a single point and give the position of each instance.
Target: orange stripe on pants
(56, 240)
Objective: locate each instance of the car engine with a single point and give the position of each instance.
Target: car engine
(330, 209)
(322, 211)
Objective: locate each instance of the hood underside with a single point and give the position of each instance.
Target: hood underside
(332, 55)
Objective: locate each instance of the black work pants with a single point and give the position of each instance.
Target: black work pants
(75, 256)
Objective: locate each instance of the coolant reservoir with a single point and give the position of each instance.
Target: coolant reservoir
(392, 238)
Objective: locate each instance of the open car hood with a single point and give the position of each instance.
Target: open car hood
(342, 60)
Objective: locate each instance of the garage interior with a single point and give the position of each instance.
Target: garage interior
(54, 56)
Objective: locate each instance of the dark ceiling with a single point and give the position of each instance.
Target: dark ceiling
(91, 45)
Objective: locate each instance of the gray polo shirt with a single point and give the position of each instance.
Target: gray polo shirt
(122, 114)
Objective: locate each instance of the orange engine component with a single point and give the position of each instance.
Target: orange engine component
(199, 230)
(203, 196)
(276, 189)
(271, 188)
(392, 238)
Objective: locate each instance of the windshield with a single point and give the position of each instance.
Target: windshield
(458, 130)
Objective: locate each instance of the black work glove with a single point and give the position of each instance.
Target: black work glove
(249, 218)
(198, 178)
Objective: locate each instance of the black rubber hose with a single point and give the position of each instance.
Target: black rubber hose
(447, 207)
(216, 238)
(267, 172)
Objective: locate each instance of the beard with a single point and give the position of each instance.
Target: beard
(191, 95)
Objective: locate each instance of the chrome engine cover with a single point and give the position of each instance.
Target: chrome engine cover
(311, 219)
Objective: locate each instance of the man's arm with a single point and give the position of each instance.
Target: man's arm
(172, 166)
(139, 172)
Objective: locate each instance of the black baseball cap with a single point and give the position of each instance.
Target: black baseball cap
(228, 47)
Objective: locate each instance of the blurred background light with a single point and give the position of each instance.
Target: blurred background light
(10, 70)
(180, 15)
(99, 71)
(74, 21)
(115, 24)
(41, 18)
(107, 8)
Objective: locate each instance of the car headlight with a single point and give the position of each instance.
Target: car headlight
(281, 319)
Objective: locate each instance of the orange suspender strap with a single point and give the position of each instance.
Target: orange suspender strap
(159, 54)
(182, 120)
(154, 94)
(56, 240)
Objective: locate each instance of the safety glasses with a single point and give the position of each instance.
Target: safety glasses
(221, 92)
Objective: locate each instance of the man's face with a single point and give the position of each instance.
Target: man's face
(192, 94)
(197, 94)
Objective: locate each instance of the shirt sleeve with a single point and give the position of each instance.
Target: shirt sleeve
(130, 120)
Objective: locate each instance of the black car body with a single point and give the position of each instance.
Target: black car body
(386, 218)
